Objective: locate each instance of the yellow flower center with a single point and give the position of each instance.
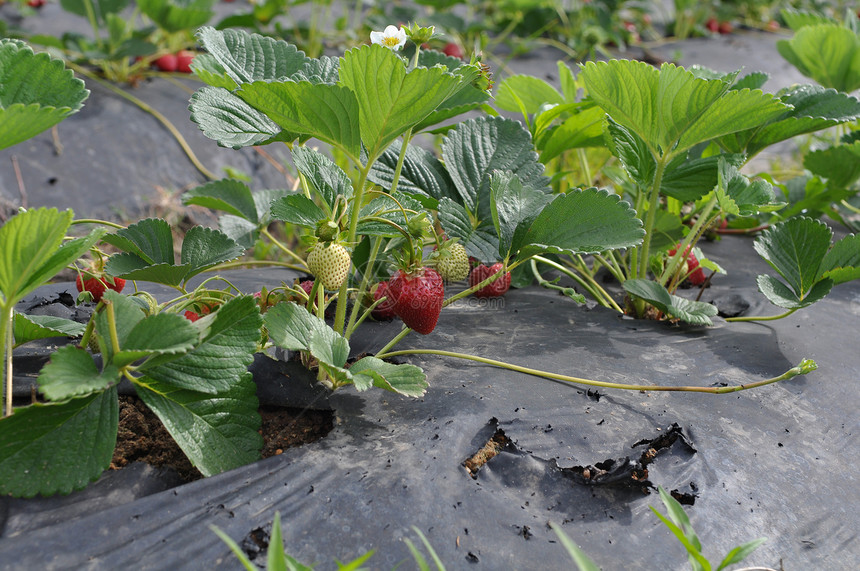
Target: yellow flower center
(390, 41)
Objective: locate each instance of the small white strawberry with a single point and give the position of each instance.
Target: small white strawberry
(452, 262)
(330, 263)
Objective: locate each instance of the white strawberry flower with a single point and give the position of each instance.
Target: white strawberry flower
(392, 37)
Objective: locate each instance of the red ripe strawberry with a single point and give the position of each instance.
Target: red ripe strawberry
(417, 298)
(726, 28)
(691, 266)
(713, 25)
(192, 315)
(183, 61)
(453, 50)
(97, 285)
(167, 62)
(35, 3)
(494, 289)
(385, 310)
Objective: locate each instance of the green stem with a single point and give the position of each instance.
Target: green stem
(365, 281)
(583, 163)
(702, 222)
(651, 217)
(763, 318)
(91, 16)
(97, 221)
(397, 339)
(155, 113)
(6, 354)
(599, 294)
(357, 200)
(804, 367)
(111, 317)
(243, 263)
(265, 232)
(407, 136)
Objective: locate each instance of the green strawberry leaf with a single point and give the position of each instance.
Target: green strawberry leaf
(480, 240)
(177, 15)
(203, 248)
(328, 112)
(839, 164)
(32, 250)
(226, 119)
(385, 207)
(323, 176)
(292, 327)
(36, 92)
(525, 94)
(127, 314)
(477, 147)
(633, 152)
(329, 347)
(28, 328)
(250, 57)
(514, 208)
(812, 108)
(229, 339)
(217, 431)
(583, 129)
(56, 448)
(421, 174)
(150, 239)
(149, 253)
(390, 100)
(405, 379)
(842, 262)
(71, 372)
(781, 295)
(101, 8)
(209, 71)
(160, 334)
(229, 195)
(737, 195)
(298, 209)
(581, 222)
(670, 108)
(828, 53)
(694, 312)
(796, 248)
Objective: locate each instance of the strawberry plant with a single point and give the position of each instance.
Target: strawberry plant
(681, 164)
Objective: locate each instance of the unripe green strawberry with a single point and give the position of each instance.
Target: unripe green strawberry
(330, 263)
(453, 262)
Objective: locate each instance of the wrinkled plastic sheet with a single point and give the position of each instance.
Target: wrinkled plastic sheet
(776, 462)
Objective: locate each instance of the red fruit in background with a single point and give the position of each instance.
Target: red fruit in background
(35, 3)
(773, 26)
(385, 310)
(726, 28)
(307, 285)
(194, 315)
(183, 61)
(417, 298)
(496, 288)
(697, 275)
(453, 50)
(167, 62)
(712, 25)
(97, 285)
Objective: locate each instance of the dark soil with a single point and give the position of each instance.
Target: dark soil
(143, 438)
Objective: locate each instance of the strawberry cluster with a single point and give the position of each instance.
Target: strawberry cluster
(180, 61)
(96, 283)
